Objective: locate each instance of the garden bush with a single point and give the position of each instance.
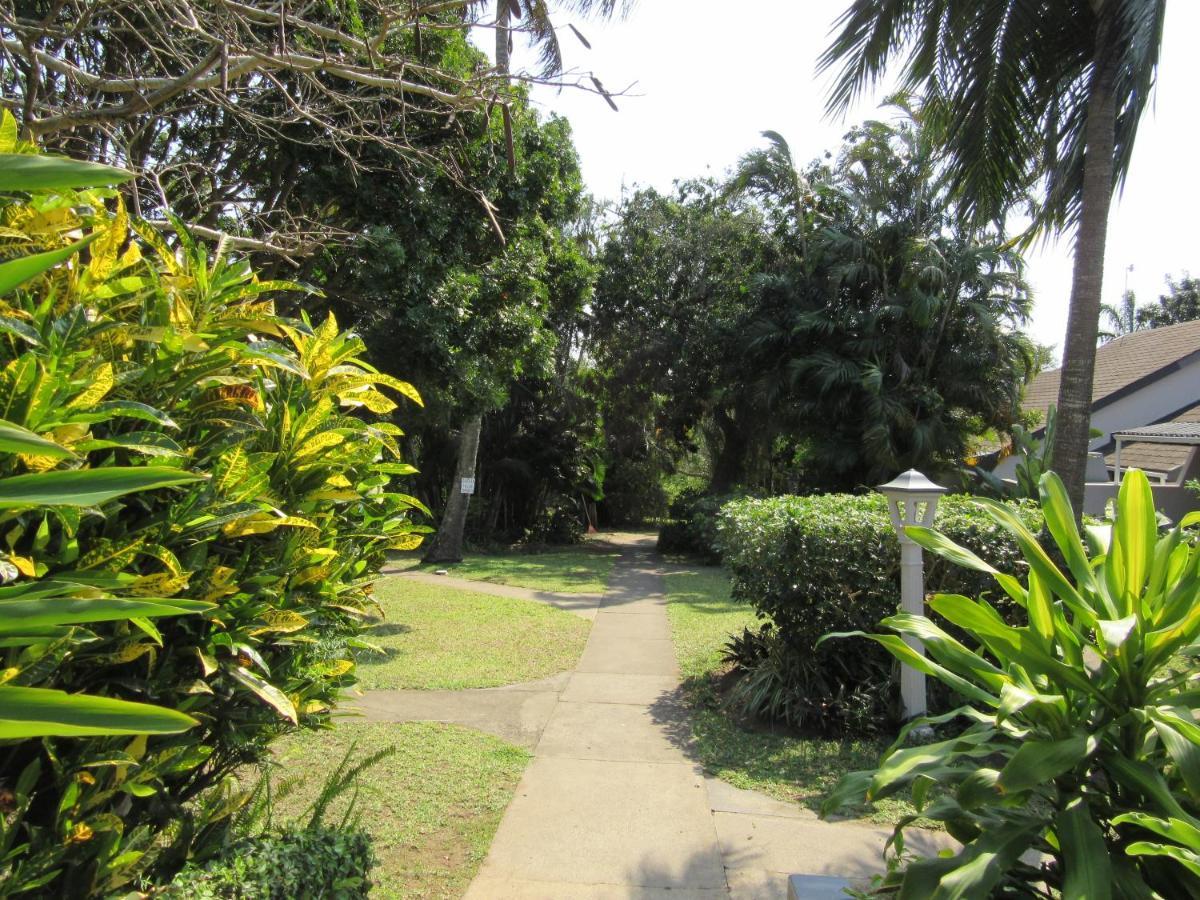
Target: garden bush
(296, 863)
(195, 500)
(812, 565)
(692, 528)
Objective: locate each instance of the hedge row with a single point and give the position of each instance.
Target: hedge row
(820, 564)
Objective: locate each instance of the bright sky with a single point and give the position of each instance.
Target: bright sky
(711, 76)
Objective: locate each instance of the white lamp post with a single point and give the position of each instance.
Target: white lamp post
(912, 500)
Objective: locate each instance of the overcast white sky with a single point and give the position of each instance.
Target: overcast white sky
(711, 76)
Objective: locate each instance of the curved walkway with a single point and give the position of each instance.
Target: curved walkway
(613, 804)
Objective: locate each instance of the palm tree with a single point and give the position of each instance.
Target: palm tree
(537, 22)
(1122, 319)
(1026, 94)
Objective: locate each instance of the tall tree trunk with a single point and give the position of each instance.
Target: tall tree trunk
(1069, 453)
(447, 544)
(503, 35)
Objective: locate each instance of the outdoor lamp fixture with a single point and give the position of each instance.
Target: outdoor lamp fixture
(912, 500)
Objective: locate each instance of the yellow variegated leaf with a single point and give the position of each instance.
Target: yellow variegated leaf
(193, 343)
(334, 495)
(24, 565)
(38, 463)
(263, 523)
(9, 674)
(130, 651)
(310, 574)
(334, 668)
(100, 382)
(111, 555)
(284, 621)
(372, 400)
(151, 334)
(160, 584)
(322, 553)
(208, 664)
(230, 470)
(8, 132)
(69, 435)
(317, 443)
(106, 249)
(406, 542)
(338, 480)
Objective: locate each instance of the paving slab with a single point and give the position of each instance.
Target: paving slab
(776, 844)
(724, 797)
(610, 687)
(510, 889)
(616, 623)
(616, 732)
(634, 605)
(629, 656)
(757, 884)
(517, 716)
(592, 822)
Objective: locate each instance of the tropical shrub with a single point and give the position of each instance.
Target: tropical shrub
(1077, 773)
(304, 863)
(811, 565)
(692, 528)
(262, 510)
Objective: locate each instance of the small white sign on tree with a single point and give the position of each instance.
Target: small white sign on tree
(468, 485)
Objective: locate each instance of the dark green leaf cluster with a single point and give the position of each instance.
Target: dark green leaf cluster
(319, 863)
(811, 565)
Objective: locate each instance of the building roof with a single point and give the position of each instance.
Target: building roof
(1160, 457)
(1124, 365)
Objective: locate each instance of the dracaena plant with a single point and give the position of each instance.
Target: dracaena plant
(201, 492)
(1077, 773)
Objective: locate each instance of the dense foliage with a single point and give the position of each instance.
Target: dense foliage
(1071, 767)
(811, 565)
(121, 352)
(814, 329)
(321, 863)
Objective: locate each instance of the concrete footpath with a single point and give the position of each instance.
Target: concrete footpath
(614, 806)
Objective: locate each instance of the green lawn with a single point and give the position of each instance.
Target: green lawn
(436, 637)
(798, 769)
(569, 570)
(432, 807)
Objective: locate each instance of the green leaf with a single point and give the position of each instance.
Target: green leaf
(1085, 854)
(938, 543)
(86, 487)
(1184, 752)
(1176, 830)
(19, 615)
(983, 863)
(15, 439)
(1060, 522)
(16, 272)
(41, 712)
(1186, 858)
(1134, 537)
(25, 172)
(266, 691)
(1038, 762)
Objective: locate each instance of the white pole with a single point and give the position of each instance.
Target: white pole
(912, 600)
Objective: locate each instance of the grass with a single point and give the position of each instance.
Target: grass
(778, 763)
(568, 570)
(432, 807)
(435, 637)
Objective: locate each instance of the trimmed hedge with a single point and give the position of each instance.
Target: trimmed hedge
(295, 864)
(820, 564)
(693, 525)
